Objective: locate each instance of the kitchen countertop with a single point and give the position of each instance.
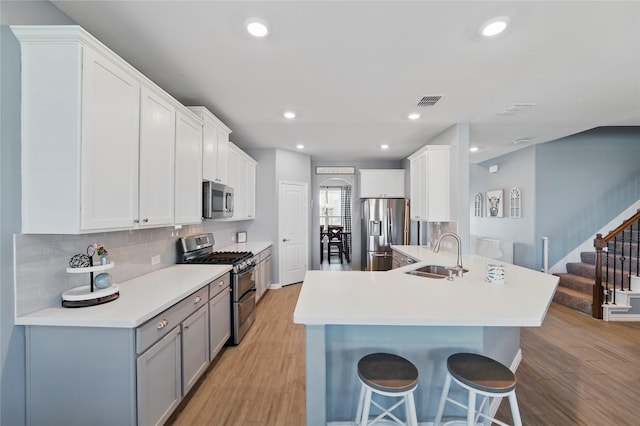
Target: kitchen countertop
(395, 298)
(140, 299)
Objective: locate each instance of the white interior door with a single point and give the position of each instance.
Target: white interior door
(293, 231)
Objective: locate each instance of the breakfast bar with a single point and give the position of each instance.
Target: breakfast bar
(351, 314)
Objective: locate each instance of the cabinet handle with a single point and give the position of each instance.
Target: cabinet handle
(145, 220)
(197, 300)
(221, 283)
(136, 221)
(162, 324)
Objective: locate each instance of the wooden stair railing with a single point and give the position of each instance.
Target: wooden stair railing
(621, 252)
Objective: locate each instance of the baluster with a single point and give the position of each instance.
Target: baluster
(630, 257)
(638, 250)
(613, 297)
(600, 296)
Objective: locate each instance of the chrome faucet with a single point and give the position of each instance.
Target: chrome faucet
(458, 268)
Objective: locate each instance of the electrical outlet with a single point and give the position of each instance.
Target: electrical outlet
(233, 237)
(155, 260)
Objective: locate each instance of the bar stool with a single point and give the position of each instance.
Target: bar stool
(388, 375)
(479, 375)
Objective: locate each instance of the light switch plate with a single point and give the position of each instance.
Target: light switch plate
(241, 237)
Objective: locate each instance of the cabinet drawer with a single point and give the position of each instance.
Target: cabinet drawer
(161, 324)
(264, 254)
(219, 284)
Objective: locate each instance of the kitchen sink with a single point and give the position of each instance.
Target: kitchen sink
(434, 271)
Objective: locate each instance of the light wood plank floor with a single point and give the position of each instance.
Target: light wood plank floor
(575, 371)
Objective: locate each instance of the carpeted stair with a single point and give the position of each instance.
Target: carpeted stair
(575, 288)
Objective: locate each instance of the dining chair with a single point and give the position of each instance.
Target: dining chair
(335, 240)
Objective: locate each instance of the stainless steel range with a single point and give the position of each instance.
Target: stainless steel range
(198, 249)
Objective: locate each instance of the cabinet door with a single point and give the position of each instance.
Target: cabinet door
(159, 380)
(260, 276)
(439, 186)
(419, 187)
(157, 148)
(251, 189)
(222, 155)
(109, 155)
(188, 179)
(210, 151)
(195, 347)
(219, 321)
(269, 272)
(381, 183)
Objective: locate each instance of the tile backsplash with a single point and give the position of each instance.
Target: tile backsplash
(41, 260)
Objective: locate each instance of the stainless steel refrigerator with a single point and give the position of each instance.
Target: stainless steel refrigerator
(384, 222)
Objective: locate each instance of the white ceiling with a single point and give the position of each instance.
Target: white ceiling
(352, 71)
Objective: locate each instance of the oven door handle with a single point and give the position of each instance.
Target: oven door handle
(245, 297)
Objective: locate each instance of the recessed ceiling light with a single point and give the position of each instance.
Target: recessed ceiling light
(289, 114)
(257, 27)
(413, 116)
(300, 146)
(384, 146)
(473, 149)
(494, 26)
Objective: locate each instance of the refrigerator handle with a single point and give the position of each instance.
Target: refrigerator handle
(390, 225)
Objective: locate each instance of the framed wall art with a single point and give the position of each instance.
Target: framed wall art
(494, 202)
(335, 170)
(515, 203)
(477, 205)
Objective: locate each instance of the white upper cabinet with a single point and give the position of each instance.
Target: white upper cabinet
(188, 179)
(98, 137)
(108, 143)
(157, 147)
(382, 183)
(215, 147)
(242, 178)
(431, 184)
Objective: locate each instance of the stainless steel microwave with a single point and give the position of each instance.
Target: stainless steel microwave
(217, 200)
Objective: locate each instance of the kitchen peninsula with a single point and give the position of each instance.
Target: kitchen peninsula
(350, 314)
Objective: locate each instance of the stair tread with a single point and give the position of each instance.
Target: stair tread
(575, 277)
(574, 293)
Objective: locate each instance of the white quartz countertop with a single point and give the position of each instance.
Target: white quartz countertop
(140, 299)
(395, 298)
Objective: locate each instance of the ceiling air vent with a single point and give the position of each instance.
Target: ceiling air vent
(517, 108)
(430, 100)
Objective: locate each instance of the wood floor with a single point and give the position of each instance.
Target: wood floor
(575, 371)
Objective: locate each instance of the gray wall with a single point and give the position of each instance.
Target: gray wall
(571, 187)
(583, 182)
(275, 166)
(514, 170)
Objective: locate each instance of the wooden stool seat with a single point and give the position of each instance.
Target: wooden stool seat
(479, 375)
(388, 375)
(482, 373)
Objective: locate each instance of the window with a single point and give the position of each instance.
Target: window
(330, 205)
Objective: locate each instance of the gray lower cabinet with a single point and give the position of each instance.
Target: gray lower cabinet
(160, 380)
(195, 347)
(219, 314)
(121, 376)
